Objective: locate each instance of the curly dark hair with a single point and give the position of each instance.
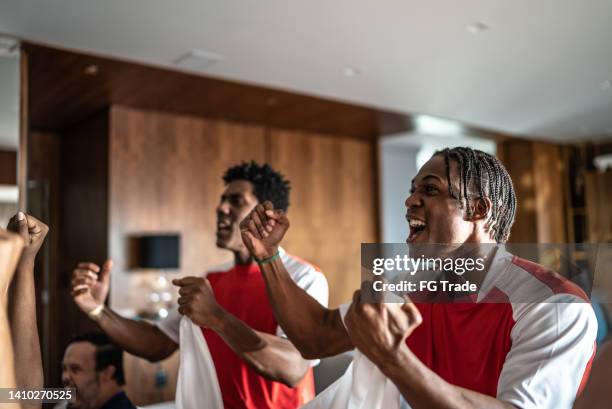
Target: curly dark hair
(268, 183)
(483, 175)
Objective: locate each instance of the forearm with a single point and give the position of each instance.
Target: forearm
(139, 338)
(7, 368)
(319, 331)
(271, 356)
(424, 389)
(24, 330)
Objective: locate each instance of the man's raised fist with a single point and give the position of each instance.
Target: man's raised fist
(263, 229)
(32, 231)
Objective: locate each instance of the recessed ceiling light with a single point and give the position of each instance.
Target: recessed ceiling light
(431, 125)
(91, 70)
(351, 72)
(477, 27)
(198, 60)
(607, 84)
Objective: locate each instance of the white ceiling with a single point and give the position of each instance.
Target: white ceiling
(537, 71)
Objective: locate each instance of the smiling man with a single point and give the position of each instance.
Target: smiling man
(256, 366)
(93, 366)
(448, 355)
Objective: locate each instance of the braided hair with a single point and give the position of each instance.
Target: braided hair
(485, 176)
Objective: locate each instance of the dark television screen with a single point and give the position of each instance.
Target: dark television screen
(159, 252)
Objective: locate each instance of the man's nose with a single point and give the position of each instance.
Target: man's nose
(413, 200)
(66, 378)
(223, 207)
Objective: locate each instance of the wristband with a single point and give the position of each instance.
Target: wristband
(268, 259)
(96, 312)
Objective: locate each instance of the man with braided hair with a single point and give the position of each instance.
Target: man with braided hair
(477, 354)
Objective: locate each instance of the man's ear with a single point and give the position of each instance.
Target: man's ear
(108, 373)
(481, 208)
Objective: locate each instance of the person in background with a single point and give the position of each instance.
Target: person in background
(93, 366)
(257, 367)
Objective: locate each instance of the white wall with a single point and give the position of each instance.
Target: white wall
(398, 167)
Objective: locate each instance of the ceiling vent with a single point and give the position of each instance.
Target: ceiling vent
(198, 60)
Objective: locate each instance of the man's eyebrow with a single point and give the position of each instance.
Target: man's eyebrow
(232, 196)
(428, 176)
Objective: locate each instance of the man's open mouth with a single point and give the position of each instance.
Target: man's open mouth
(223, 226)
(416, 227)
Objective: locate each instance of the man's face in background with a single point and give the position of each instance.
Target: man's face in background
(236, 203)
(79, 372)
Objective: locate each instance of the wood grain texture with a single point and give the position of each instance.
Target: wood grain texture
(24, 121)
(517, 157)
(333, 203)
(8, 168)
(44, 203)
(83, 219)
(550, 193)
(538, 173)
(166, 176)
(61, 93)
(598, 189)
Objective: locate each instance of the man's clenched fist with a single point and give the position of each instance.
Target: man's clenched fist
(378, 329)
(263, 229)
(90, 285)
(197, 301)
(33, 233)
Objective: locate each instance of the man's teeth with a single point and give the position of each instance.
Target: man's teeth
(416, 223)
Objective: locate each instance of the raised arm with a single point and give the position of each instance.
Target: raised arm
(10, 248)
(316, 331)
(22, 303)
(90, 286)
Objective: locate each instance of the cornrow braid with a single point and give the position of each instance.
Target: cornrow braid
(484, 174)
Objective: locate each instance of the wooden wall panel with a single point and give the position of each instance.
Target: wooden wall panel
(598, 187)
(333, 203)
(8, 168)
(517, 157)
(44, 203)
(538, 174)
(550, 193)
(165, 175)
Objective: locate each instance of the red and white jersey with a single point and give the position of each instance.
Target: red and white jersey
(241, 290)
(530, 354)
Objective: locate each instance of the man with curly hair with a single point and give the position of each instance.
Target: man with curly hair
(256, 365)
